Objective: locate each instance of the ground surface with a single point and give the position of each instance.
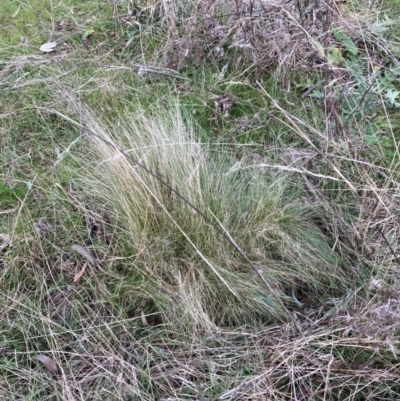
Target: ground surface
(199, 200)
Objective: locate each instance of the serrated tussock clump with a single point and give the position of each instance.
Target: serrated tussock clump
(173, 261)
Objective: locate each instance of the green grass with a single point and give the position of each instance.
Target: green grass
(262, 209)
(172, 310)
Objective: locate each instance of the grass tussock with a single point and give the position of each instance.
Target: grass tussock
(175, 255)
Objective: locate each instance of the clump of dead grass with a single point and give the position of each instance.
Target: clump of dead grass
(281, 37)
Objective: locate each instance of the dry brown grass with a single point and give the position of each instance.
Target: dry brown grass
(323, 356)
(274, 35)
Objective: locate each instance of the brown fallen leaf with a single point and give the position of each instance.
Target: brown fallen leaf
(84, 252)
(48, 363)
(80, 273)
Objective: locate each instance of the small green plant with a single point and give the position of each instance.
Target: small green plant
(387, 85)
(350, 48)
